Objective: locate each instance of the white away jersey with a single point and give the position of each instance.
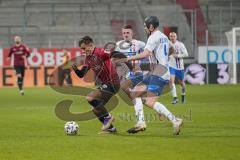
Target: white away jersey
(130, 49)
(158, 44)
(181, 51)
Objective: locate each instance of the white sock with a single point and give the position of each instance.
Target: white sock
(138, 106)
(174, 92)
(161, 109)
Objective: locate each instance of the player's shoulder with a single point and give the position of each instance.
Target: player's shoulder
(12, 47)
(156, 36)
(180, 43)
(26, 46)
(99, 50)
(162, 35)
(138, 42)
(118, 42)
(151, 37)
(23, 46)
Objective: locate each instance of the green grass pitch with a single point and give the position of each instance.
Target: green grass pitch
(29, 128)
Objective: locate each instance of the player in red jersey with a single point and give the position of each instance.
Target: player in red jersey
(99, 61)
(19, 52)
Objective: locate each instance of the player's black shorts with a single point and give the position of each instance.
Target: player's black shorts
(20, 70)
(109, 88)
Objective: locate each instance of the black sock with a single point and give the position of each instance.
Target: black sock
(101, 119)
(20, 83)
(99, 110)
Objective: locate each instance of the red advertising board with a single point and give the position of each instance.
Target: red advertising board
(41, 64)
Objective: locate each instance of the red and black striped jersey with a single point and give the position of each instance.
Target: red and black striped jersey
(99, 61)
(19, 52)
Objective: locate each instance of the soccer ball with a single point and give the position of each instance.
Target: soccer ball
(71, 128)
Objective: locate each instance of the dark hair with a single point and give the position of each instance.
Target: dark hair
(86, 40)
(172, 32)
(153, 20)
(128, 26)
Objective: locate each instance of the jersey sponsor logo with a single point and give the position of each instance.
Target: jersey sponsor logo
(124, 45)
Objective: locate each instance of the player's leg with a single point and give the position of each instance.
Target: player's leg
(136, 94)
(125, 91)
(172, 84)
(107, 92)
(137, 103)
(98, 99)
(183, 90)
(154, 91)
(180, 76)
(95, 99)
(23, 74)
(20, 75)
(128, 84)
(174, 90)
(152, 102)
(135, 79)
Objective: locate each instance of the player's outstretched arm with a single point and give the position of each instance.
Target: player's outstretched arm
(80, 73)
(142, 55)
(119, 57)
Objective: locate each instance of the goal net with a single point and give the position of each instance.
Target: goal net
(233, 38)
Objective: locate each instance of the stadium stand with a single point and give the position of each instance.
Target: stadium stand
(55, 23)
(221, 16)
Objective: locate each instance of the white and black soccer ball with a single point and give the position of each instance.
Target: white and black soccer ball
(71, 128)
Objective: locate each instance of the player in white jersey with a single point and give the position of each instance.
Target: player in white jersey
(176, 67)
(131, 47)
(158, 77)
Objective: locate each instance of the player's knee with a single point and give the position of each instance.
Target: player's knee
(127, 91)
(149, 103)
(172, 84)
(125, 87)
(89, 99)
(19, 79)
(172, 79)
(95, 103)
(181, 83)
(133, 95)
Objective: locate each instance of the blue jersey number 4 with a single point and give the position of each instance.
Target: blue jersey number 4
(165, 50)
